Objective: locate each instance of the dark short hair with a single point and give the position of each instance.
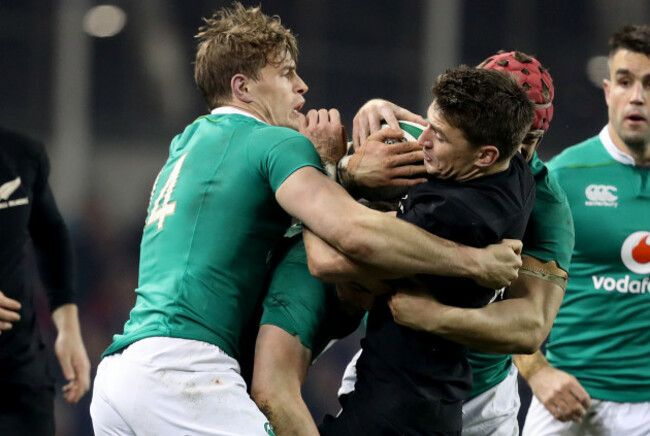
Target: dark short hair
(634, 38)
(238, 40)
(486, 105)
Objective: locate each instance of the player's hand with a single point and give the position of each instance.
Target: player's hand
(8, 312)
(369, 118)
(500, 264)
(379, 165)
(560, 393)
(324, 129)
(415, 308)
(72, 356)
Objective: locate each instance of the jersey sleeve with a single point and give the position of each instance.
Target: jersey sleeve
(51, 240)
(285, 155)
(550, 233)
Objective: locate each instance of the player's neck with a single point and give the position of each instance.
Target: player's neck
(249, 109)
(477, 172)
(641, 154)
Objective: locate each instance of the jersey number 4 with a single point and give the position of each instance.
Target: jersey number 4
(163, 207)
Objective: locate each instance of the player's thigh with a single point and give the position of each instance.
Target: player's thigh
(26, 410)
(494, 412)
(610, 418)
(540, 422)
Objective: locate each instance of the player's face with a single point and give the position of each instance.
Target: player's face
(278, 94)
(529, 145)
(628, 98)
(447, 154)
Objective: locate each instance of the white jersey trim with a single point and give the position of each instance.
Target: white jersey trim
(224, 110)
(613, 151)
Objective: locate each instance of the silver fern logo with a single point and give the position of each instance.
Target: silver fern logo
(8, 188)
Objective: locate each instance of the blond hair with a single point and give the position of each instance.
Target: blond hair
(238, 40)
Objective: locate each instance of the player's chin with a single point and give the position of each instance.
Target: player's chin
(431, 169)
(292, 122)
(635, 137)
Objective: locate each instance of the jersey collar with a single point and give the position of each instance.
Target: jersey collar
(228, 110)
(613, 151)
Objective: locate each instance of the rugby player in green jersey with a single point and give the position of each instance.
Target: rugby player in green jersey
(521, 321)
(220, 205)
(596, 380)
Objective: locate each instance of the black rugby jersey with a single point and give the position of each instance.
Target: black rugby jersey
(425, 376)
(28, 212)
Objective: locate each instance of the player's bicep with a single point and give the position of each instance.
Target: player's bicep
(539, 285)
(321, 204)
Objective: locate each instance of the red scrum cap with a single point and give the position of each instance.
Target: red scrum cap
(532, 77)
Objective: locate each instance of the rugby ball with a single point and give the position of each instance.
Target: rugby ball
(410, 131)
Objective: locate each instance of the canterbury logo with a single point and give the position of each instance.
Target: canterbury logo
(7, 189)
(601, 195)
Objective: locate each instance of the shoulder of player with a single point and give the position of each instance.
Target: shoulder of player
(257, 129)
(278, 134)
(585, 154)
(19, 144)
(23, 151)
(547, 188)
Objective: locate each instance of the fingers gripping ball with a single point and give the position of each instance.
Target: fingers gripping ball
(386, 197)
(410, 131)
(532, 77)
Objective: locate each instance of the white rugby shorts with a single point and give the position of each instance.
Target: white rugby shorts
(160, 386)
(604, 418)
(494, 412)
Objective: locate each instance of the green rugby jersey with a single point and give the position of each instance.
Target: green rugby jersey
(549, 237)
(212, 222)
(602, 332)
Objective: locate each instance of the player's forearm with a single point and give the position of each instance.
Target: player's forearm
(66, 319)
(519, 324)
(502, 327)
(529, 364)
(403, 249)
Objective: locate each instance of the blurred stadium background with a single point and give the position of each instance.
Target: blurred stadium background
(107, 85)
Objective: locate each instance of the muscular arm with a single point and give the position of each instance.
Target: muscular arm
(518, 324)
(379, 240)
(281, 364)
(331, 265)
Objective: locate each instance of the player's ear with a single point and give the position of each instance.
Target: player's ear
(606, 89)
(487, 155)
(239, 86)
